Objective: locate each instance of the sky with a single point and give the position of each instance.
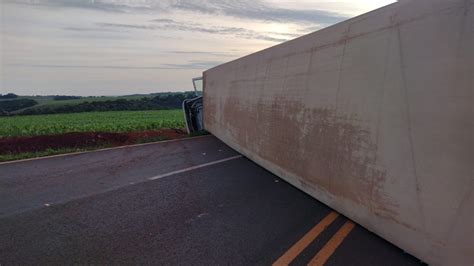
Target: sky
(118, 47)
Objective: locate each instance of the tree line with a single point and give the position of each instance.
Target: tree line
(64, 97)
(12, 105)
(8, 96)
(164, 101)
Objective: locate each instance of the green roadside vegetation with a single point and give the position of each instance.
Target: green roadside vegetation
(6, 157)
(114, 121)
(37, 126)
(28, 155)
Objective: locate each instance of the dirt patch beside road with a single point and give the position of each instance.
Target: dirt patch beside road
(14, 145)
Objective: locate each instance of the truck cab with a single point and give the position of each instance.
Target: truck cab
(193, 108)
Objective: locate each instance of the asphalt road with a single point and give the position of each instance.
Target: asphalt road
(188, 202)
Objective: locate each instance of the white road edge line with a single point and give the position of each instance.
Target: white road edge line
(195, 167)
(102, 150)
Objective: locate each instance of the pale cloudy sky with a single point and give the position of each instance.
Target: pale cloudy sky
(115, 47)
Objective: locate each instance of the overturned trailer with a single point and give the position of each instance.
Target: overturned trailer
(372, 116)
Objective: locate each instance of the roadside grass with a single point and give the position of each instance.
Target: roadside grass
(113, 121)
(27, 155)
(49, 152)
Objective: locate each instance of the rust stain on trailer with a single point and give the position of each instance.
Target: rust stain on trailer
(333, 150)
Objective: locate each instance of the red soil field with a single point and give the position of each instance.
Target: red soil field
(84, 140)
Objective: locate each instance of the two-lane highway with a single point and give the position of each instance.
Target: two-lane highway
(190, 202)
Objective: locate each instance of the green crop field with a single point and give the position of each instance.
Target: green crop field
(119, 121)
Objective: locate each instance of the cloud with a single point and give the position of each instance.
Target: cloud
(182, 26)
(193, 64)
(257, 10)
(245, 9)
(112, 6)
(310, 28)
(87, 29)
(162, 20)
(202, 53)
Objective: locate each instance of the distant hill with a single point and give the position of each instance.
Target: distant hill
(8, 96)
(12, 105)
(53, 104)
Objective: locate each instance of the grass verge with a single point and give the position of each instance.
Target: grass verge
(49, 152)
(27, 155)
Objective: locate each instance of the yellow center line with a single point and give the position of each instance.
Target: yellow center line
(323, 255)
(299, 246)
